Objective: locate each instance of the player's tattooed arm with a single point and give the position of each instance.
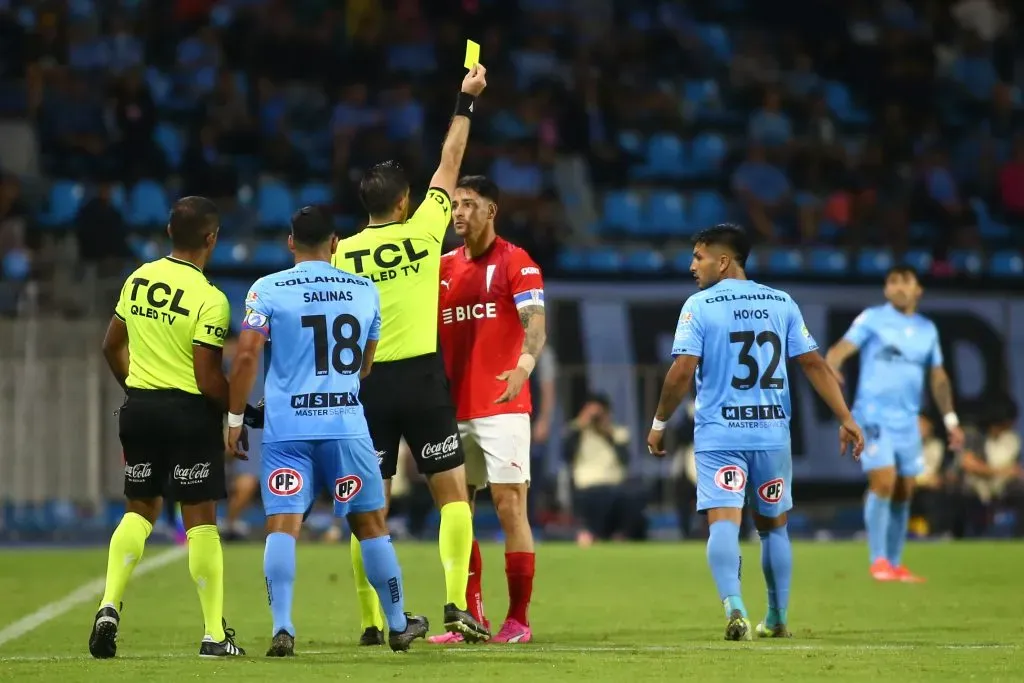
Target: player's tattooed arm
(942, 390)
(535, 324)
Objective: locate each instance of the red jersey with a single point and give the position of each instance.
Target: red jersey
(481, 334)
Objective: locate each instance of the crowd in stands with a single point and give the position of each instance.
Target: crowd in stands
(614, 129)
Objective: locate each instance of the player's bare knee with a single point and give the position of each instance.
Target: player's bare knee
(449, 486)
(147, 508)
(367, 525)
(199, 514)
(734, 515)
(510, 504)
(284, 524)
(903, 490)
(882, 482)
(764, 524)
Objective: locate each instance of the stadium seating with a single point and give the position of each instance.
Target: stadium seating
(623, 212)
(666, 214)
(275, 205)
(64, 201)
(148, 205)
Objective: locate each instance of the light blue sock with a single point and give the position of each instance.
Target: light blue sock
(726, 564)
(777, 565)
(385, 576)
(897, 535)
(279, 570)
(876, 520)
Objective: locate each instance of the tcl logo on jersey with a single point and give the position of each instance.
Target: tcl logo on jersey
(731, 478)
(284, 481)
(346, 488)
(771, 491)
(458, 314)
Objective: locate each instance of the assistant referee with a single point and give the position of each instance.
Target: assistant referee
(164, 347)
(407, 393)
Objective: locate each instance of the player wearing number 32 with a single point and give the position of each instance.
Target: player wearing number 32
(736, 335)
(325, 324)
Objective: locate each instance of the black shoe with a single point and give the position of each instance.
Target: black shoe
(283, 645)
(372, 636)
(103, 640)
(460, 621)
(415, 627)
(225, 648)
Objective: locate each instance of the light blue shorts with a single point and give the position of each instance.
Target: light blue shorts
(293, 472)
(725, 479)
(886, 447)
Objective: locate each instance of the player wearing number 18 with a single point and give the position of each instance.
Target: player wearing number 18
(735, 335)
(325, 325)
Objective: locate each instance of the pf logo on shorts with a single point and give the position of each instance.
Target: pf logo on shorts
(771, 491)
(284, 481)
(346, 488)
(731, 478)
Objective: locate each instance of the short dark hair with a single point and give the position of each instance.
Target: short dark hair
(482, 185)
(311, 227)
(382, 186)
(728, 235)
(192, 219)
(903, 270)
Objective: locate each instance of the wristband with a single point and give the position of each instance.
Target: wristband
(527, 362)
(951, 420)
(464, 105)
(235, 420)
(658, 425)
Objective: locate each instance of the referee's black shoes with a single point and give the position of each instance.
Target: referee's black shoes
(211, 649)
(415, 627)
(461, 621)
(103, 640)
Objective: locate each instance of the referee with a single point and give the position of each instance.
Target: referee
(164, 347)
(407, 394)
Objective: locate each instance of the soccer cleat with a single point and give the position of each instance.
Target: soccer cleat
(211, 649)
(460, 621)
(903, 574)
(738, 627)
(415, 627)
(283, 645)
(371, 636)
(513, 632)
(103, 640)
(777, 631)
(881, 570)
(446, 639)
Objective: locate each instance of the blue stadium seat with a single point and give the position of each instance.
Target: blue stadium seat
(707, 208)
(707, 154)
(644, 261)
(119, 198)
(272, 255)
(989, 229)
(922, 233)
(785, 262)
(622, 211)
(631, 141)
(874, 262)
(828, 231)
(572, 260)
(65, 200)
(828, 261)
(275, 205)
(315, 194)
(148, 205)
(840, 102)
(229, 253)
(681, 261)
(604, 259)
(918, 259)
(171, 142)
(666, 156)
(700, 93)
(966, 261)
(1006, 264)
(716, 40)
(666, 213)
(147, 249)
(753, 265)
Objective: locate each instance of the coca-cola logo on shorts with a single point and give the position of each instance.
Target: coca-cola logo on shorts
(140, 471)
(439, 451)
(192, 475)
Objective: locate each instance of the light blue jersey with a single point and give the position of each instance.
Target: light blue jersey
(896, 350)
(318, 320)
(743, 332)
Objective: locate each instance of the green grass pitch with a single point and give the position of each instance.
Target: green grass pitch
(606, 613)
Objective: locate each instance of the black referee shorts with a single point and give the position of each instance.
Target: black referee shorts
(410, 398)
(173, 445)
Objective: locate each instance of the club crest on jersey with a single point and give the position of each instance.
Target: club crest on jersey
(731, 478)
(284, 481)
(771, 491)
(346, 488)
(685, 318)
(253, 296)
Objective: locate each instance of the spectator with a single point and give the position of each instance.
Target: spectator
(76, 134)
(206, 170)
(1011, 186)
(597, 451)
(225, 108)
(991, 463)
(136, 117)
(15, 228)
(770, 126)
(933, 497)
(763, 190)
(101, 233)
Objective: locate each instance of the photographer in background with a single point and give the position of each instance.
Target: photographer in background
(597, 452)
(993, 476)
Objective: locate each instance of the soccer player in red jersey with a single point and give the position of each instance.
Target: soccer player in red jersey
(492, 331)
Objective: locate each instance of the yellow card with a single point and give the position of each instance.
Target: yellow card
(472, 54)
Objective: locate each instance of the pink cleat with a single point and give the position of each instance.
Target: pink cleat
(446, 639)
(513, 632)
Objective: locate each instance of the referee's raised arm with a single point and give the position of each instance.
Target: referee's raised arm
(454, 147)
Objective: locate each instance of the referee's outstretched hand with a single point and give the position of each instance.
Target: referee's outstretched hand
(475, 81)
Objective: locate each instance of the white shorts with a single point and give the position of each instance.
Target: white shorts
(497, 449)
